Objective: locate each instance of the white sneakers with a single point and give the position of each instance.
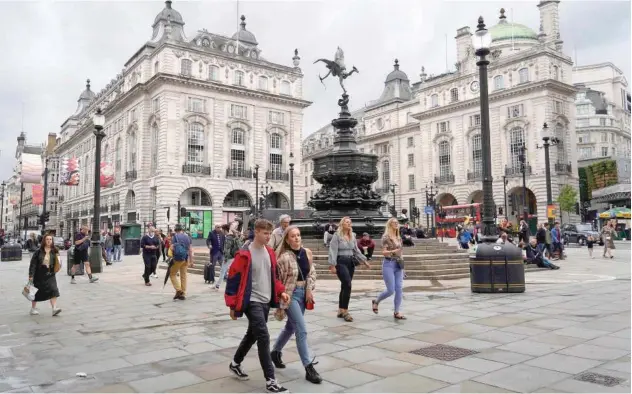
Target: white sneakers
(56, 311)
(34, 312)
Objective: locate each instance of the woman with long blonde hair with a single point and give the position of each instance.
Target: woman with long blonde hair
(344, 256)
(297, 273)
(392, 268)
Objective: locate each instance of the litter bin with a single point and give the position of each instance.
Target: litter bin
(70, 260)
(132, 247)
(497, 268)
(11, 253)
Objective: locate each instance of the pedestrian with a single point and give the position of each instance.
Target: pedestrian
(277, 234)
(182, 253)
(108, 245)
(607, 235)
(116, 245)
(590, 242)
(392, 268)
(252, 289)
(82, 244)
(163, 246)
(297, 273)
(343, 258)
(330, 230)
(44, 265)
(556, 234)
(150, 244)
(366, 246)
(232, 244)
(215, 243)
(523, 234)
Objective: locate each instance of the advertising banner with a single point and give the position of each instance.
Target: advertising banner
(38, 194)
(13, 198)
(69, 171)
(107, 175)
(31, 168)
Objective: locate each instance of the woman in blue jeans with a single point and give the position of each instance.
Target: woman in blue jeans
(298, 275)
(392, 268)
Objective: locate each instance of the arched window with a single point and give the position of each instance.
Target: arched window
(556, 73)
(499, 82)
(117, 164)
(132, 153)
(213, 73)
(185, 67)
(477, 155)
(195, 144)
(239, 78)
(263, 83)
(445, 160)
(523, 75)
(238, 137)
(285, 88)
(516, 142)
(386, 174)
(560, 134)
(276, 141)
(434, 100)
(154, 148)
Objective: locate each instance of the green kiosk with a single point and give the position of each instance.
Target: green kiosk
(131, 234)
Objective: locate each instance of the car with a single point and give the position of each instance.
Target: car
(578, 233)
(59, 243)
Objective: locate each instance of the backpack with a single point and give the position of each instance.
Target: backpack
(231, 247)
(180, 251)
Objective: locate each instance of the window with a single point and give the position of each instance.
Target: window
(276, 165)
(604, 151)
(614, 151)
(154, 148)
(556, 73)
(106, 152)
(238, 137)
(558, 107)
(454, 94)
(285, 88)
(155, 105)
(386, 174)
(133, 115)
(185, 67)
(499, 82)
(213, 73)
(583, 109)
(237, 160)
(445, 166)
(475, 120)
(443, 127)
(434, 101)
(410, 142)
(195, 105)
(276, 117)
(263, 83)
(604, 137)
(239, 78)
(477, 154)
(560, 134)
(515, 111)
(582, 122)
(275, 141)
(523, 75)
(134, 79)
(131, 147)
(411, 181)
(305, 181)
(411, 160)
(585, 153)
(195, 143)
(238, 111)
(516, 142)
(602, 122)
(117, 166)
(156, 67)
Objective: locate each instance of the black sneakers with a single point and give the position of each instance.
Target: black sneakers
(273, 387)
(311, 375)
(276, 359)
(237, 371)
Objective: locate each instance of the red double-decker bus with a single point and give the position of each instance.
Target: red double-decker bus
(449, 217)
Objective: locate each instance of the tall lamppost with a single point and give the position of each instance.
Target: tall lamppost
(98, 121)
(44, 217)
(505, 183)
(292, 183)
(393, 186)
(4, 185)
(548, 141)
(257, 207)
(430, 202)
(523, 169)
(268, 189)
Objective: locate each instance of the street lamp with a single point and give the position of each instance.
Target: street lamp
(505, 183)
(523, 168)
(393, 186)
(548, 141)
(98, 120)
(43, 218)
(268, 189)
(292, 183)
(257, 207)
(4, 185)
(430, 202)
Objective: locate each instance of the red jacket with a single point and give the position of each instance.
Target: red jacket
(239, 283)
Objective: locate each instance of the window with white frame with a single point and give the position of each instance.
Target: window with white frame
(516, 142)
(434, 100)
(604, 151)
(263, 83)
(558, 107)
(560, 134)
(238, 111)
(523, 75)
(186, 67)
(213, 73)
(445, 159)
(239, 78)
(285, 88)
(443, 127)
(410, 142)
(586, 152)
(133, 115)
(156, 67)
(583, 109)
(238, 137)
(195, 143)
(499, 82)
(411, 181)
(454, 94)
(117, 167)
(411, 160)
(134, 79)
(195, 104)
(614, 151)
(475, 120)
(602, 122)
(155, 105)
(237, 161)
(386, 174)
(556, 73)
(515, 111)
(132, 154)
(604, 137)
(276, 141)
(276, 117)
(276, 165)
(154, 148)
(477, 154)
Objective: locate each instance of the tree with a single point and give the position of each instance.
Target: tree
(567, 199)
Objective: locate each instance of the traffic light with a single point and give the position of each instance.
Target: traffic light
(183, 212)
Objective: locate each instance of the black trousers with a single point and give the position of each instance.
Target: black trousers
(368, 253)
(151, 261)
(344, 270)
(257, 315)
(164, 253)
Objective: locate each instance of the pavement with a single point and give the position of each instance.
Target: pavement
(569, 332)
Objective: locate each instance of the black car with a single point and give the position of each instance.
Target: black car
(578, 233)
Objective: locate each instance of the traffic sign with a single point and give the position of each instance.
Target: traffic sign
(428, 210)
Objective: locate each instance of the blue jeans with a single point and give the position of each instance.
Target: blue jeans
(295, 325)
(222, 273)
(216, 257)
(117, 253)
(394, 279)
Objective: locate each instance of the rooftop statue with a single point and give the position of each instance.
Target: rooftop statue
(337, 69)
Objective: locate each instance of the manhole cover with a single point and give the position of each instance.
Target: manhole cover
(443, 352)
(603, 380)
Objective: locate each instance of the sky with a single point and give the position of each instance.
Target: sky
(51, 47)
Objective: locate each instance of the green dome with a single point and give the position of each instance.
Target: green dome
(505, 31)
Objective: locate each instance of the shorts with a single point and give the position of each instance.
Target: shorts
(81, 256)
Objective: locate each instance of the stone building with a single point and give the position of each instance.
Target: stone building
(428, 133)
(187, 121)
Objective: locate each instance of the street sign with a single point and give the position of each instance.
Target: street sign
(428, 210)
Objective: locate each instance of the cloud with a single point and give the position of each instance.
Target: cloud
(51, 48)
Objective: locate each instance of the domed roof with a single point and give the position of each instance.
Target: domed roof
(508, 30)
(87, 94)
(169, 14)
(396, 73)
(244, 35)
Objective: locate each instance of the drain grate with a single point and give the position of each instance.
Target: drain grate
(443, 352)
(602, 380)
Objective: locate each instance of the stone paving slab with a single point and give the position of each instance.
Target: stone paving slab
(132, 338)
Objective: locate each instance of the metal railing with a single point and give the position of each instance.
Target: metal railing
(131, 176)
(445, 178)
(517, 171)
(196, 169)
(474, 175)
(116, 207)
(563, 168)
(238, 173)
(277, 176)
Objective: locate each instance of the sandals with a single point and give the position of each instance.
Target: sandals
(399, 316)
(374, 306)
(346, 316)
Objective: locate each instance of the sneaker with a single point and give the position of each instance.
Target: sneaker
(311, 375)
(73, 281)
(276, 359)
(34, 312)
(94, 279)
(56, 311)
(237, 371)
(273, 387)
(216, 287)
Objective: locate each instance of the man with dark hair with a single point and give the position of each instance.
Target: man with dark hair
(252, 289)
(215, 242)
(82, 244)
(182, 253)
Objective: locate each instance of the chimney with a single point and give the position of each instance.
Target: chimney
(463, 43)
(51, 144)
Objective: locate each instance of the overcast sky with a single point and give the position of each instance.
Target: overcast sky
(49, 48)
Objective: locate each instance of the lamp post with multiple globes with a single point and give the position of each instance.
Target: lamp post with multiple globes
(98, 121)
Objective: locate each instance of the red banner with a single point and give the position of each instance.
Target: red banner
(38, 194)
(107, 175)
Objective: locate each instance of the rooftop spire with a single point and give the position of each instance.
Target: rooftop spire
(88, 84)
(168, 4)
(396, 65)
(243, 22)
(502, 15)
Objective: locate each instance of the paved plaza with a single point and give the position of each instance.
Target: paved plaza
(570, 332)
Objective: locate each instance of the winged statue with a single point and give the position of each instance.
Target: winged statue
(337, 68)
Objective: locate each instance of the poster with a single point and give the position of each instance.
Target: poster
(107, 175)
(37, 192)
(31, 168)
(13, 198)
(69, 171)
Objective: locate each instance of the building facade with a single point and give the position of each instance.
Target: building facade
(428, 133)
(187, 122)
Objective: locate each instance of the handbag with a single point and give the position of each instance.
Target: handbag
(400, 261)
(57, 265)
(29, 291)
